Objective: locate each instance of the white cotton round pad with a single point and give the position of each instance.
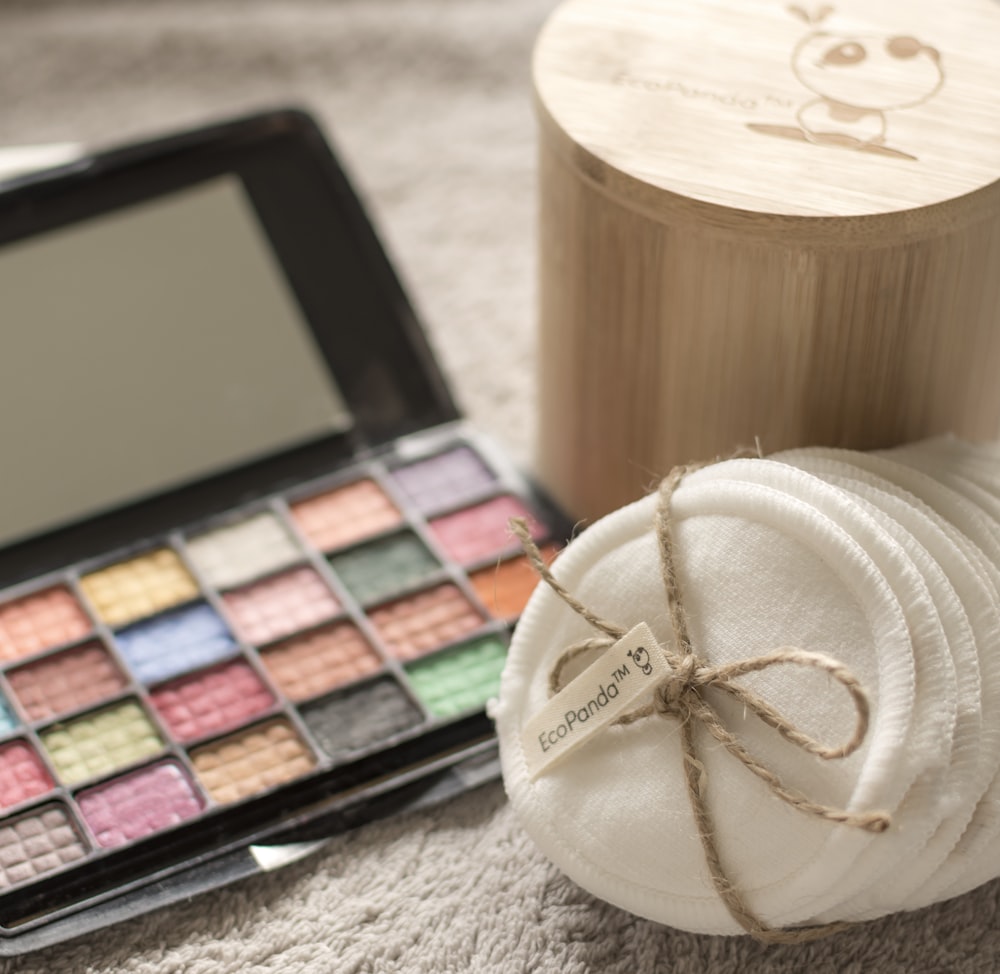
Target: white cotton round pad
(928, 799)
(758, 570)
(953, 507)
(973, 471)
(976, 462)
(976, 748)
(946, 471)
(976, 857)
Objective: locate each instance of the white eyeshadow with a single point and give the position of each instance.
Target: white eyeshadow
(244, 551)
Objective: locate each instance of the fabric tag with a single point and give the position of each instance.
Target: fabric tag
(596, 697)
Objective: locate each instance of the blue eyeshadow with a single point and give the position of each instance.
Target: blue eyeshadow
(7, 719)
(175, 643)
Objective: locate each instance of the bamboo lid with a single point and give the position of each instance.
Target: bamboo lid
(883, 112)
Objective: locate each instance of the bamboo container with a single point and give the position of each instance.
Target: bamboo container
(762, 222)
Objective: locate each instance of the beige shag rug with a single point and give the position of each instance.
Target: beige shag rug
(429, 103)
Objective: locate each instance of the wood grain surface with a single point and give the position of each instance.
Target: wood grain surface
(762, 221)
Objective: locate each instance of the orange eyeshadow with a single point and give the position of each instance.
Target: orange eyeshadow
(346, 515)
(505, 588)
(40, 621)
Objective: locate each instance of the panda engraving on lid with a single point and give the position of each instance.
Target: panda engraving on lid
(859, 79)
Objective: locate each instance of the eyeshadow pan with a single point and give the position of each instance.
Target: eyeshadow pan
(348, 514)
(8, 720)
(139, 587)
(311, 664)
(40, 621)
(481, 531)
(361, 718)
(459, 679)
(280, 605)
(66, 681)
(505, 588)
(211, 701)
(241, 552)
(100, 742)
(37, 843)
(421, 623)
(381, 568)
(22, 774)
(445, 480)
(138, 804)
(171, 644)
(252, 761)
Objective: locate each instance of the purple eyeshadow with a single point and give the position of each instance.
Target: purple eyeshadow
(445, 480)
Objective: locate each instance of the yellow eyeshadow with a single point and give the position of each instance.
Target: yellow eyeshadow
(101, 742)
(139, 587)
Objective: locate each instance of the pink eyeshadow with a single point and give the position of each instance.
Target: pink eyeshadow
(345, 515)
(22, 774)
(139, 804)
(481, 531)
(279, 606)
(211, 701)
(419, 624)
(39, 622)
(66, 681)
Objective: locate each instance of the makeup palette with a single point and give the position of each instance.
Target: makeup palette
(253, 619)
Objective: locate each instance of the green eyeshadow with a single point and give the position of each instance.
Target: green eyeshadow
(459, 679)
(100, 742)
(382, 568)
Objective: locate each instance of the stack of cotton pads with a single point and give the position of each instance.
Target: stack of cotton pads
(888, 563)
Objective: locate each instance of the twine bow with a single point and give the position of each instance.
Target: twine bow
(681, 696)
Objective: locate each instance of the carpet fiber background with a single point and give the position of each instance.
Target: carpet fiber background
(429, 104)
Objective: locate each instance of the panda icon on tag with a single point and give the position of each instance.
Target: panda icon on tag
(640, 656)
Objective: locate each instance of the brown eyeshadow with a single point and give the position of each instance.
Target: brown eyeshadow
(421, 623)
(66, 681)
(311, 664)
(252, 760)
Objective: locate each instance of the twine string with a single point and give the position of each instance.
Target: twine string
(681, 696)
